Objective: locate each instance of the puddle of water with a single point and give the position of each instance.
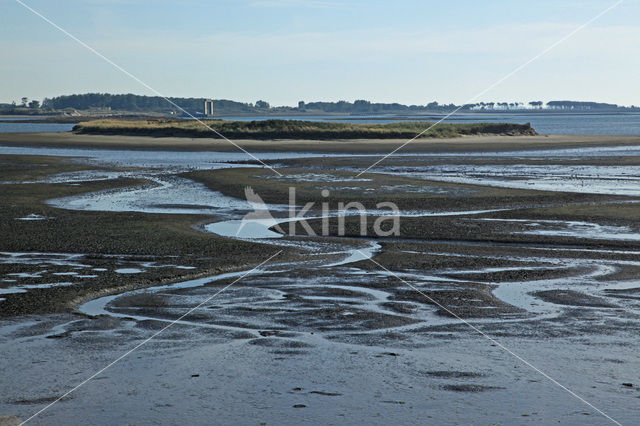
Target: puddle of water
(36, 258)
(129, 271)
(624, 285)
(253, 229)
(357, 255)
(33, 216)
(575, 229)
(172, 195)
(260, 228)
(98, 306)
(25, 287)
(428, 189)
(317, 177)
(615, 180)
(26, 274)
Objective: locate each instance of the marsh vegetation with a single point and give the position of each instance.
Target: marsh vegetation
(294, 129)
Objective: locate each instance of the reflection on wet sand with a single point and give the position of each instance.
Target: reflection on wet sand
(337, 335)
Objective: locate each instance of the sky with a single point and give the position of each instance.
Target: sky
(283, 51)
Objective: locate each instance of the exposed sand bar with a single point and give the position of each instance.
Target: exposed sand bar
(461, 144)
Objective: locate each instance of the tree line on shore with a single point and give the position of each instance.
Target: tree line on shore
(139, 103)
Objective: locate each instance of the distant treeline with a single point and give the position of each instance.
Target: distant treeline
(366, 107)
(581, 105)
(138, 103)
(294, 129)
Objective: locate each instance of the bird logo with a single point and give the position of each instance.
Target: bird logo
(260, 214)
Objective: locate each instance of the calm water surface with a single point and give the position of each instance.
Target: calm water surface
(34, 127)
(560, 124)
(567, 124)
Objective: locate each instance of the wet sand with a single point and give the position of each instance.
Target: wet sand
(320, 334)
(365, 146)
(108, 241)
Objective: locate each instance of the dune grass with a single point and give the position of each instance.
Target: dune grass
(295, 129)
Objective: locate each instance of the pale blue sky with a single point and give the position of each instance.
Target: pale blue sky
(283, 51)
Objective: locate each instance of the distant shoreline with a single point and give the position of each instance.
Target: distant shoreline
(464, 115)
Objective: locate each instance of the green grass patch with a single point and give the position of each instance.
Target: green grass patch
(294, 129)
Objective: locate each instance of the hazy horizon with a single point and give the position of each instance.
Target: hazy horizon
(283, 51)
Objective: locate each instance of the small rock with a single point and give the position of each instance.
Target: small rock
(629, 385)
(387, 354)
(299, 406)
(268, 333)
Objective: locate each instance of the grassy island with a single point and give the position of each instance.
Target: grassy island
(294, 129)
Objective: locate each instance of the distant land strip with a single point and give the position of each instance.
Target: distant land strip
(296, 129)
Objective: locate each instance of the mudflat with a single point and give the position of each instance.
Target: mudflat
(511, 239)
